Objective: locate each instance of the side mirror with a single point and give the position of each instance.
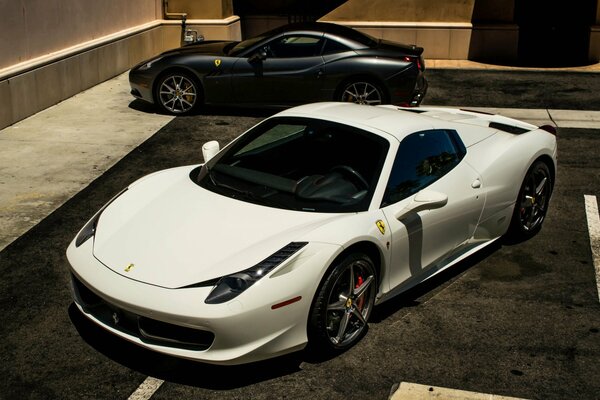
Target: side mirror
(424, 200)
(260, 55)
(209, 149)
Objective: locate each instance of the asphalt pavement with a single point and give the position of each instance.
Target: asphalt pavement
(517, 320)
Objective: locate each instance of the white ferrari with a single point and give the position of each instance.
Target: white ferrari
(295, 230)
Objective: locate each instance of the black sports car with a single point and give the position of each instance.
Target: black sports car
(290, 65)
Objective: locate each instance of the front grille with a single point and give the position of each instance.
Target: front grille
(148, 330)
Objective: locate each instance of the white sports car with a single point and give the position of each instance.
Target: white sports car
(295, 230)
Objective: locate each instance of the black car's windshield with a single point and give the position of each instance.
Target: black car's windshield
(243, 45)
(300, 164)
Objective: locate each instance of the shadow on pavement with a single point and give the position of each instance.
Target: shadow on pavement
(233, 111)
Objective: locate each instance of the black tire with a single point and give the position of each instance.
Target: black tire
(336, 304)
(178, 93)
(361, 91)
(532, 203)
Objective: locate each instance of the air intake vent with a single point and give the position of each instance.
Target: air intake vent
(508, 128)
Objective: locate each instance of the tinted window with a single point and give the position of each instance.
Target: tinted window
(332, 46)
(300, 164)
(422, 158)
(295, 46)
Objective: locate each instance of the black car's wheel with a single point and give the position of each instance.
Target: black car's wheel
(532, 203)
(342, 306)
(178, 93)
(362, 92)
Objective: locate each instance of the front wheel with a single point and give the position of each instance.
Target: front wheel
(362, 92)
(343, 304)
(532, 203)
(177, 93)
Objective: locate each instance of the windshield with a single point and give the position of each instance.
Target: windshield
(300, 164)
(243, 45)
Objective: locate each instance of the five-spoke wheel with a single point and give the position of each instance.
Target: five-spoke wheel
(343, 303)
(177, 93)
(362, 92)
(532, 202)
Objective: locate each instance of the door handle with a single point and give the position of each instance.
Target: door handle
(476, 184)
(320, 73)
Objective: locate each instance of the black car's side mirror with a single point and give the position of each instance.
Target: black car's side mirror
(260, 55)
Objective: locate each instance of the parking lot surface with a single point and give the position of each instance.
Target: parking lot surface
(519, 320)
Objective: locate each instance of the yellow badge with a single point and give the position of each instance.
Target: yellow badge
(381, 226)
(129, 267)
(217, 62)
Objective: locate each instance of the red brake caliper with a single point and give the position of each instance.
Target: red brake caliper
(361, 301)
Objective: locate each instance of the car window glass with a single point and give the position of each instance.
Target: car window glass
(422, 158)
(333, 46)
(273, 135)
(295, 46)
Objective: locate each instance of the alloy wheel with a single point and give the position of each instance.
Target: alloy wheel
(178, 94)
(362, 93)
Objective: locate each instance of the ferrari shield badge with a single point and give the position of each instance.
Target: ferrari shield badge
(217, 62)
(381, 226)
(129, 267)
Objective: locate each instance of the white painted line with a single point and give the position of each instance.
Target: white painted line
(146, 389)
(415, 391)
(593, 222)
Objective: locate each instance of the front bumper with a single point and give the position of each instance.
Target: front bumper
(178, 322)
(141, 85)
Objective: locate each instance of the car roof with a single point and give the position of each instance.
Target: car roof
(399, 122)
(325, 27)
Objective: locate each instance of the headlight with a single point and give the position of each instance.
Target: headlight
(148, 64)
(231, 286)
(89, 229)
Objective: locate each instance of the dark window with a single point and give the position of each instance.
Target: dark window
(332, 46)
(422, 158)
(295, 46)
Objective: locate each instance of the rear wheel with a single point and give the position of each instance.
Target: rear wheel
(362, 92)
(343, 304)
(532, 203)
(178, 93)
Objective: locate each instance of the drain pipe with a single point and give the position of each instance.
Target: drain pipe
(172, 15)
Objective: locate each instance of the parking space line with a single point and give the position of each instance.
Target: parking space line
(415, 391)
(146, 389)
(593, 222)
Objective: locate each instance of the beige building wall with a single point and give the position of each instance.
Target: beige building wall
(442, 28)
(33, 28)
(53, 49)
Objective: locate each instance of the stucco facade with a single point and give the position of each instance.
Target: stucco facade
(53, 49)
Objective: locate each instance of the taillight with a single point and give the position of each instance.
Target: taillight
(416, 60)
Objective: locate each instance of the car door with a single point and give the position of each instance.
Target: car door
(284, 71)
(430, 160)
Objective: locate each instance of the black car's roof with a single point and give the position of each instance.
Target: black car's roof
(334, 29)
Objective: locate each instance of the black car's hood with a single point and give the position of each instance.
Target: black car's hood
(208, 47)
(394, 46)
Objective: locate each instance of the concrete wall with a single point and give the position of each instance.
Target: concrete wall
(443, 29)
(53, 49)
(33, 28)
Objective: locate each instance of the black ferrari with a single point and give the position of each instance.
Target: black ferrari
(290, 65)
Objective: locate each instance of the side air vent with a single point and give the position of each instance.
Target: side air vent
(508, 128)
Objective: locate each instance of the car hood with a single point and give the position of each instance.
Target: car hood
(210, 47)
(168, 231)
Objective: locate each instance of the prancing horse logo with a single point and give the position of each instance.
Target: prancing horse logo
(381, 226)
(217, 62)
(129, 267)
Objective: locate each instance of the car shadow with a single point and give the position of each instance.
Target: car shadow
(218, 377)
(410, 298)
(178, 370)
(232, 111)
